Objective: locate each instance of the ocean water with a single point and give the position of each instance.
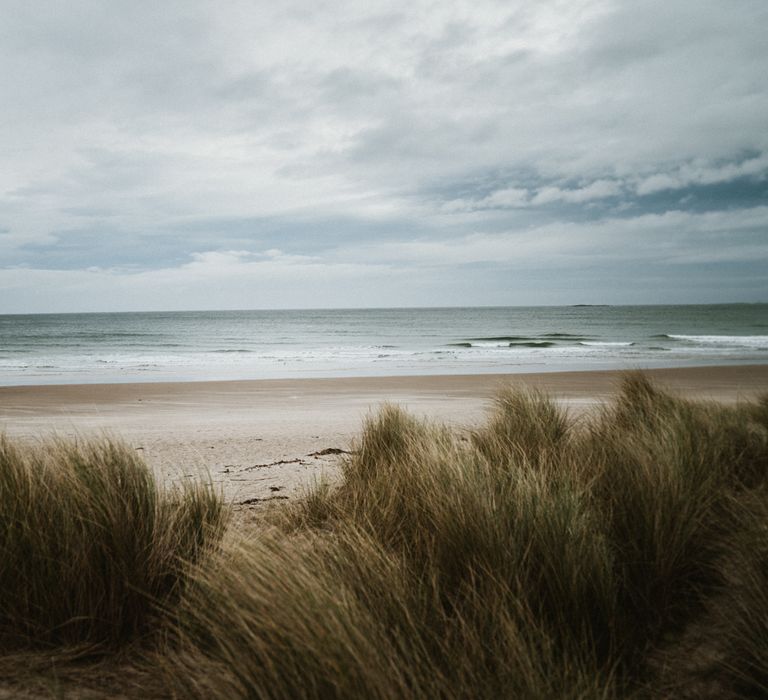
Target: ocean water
(204, 345)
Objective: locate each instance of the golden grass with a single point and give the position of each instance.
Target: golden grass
(90, 548)
(540, 558)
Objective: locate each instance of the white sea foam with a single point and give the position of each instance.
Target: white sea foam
(490, 344)
(747, 341)
(600, 344)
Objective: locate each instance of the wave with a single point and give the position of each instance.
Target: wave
(759, 341)
(501, 338)
(533, 344)
(607, 344)
(485, 343)
(231, 350)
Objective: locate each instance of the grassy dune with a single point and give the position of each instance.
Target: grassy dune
(91, 551)
(620, 556)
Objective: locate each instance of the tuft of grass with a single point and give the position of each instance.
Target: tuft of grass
(740, 611)
(665, 470)
(305, 620)
(90, 547)
(523, 425)
(338, 616)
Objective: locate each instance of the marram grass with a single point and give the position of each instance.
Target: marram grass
(90, 548)
(617, 556)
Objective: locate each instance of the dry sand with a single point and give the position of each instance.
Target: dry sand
(263, 440)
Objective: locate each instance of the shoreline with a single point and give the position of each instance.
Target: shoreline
(355, 374)
(690, 377)
(265, 439)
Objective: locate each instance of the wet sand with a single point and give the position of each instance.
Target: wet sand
(269, 439)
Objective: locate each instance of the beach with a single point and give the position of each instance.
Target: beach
(268, 440)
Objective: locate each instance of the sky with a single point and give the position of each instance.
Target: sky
(305, 154)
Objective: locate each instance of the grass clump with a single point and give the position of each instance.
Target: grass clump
(90, 547)
(740, 612)
(327, 616)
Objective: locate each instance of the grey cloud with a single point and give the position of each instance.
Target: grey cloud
(137, 131)
(702, 173)
(596, 261)
(519, 197)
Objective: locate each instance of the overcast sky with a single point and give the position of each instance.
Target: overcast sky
(202, 155)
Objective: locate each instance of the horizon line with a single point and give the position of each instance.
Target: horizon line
(376, 308)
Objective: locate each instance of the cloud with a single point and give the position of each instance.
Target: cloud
(703, 173)
(618, 260)
(599, 189)
(209, 280)
(519, 197)
(509, 197)
(672, 238)
(136, 136)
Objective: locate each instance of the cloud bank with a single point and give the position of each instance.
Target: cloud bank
(245, 155)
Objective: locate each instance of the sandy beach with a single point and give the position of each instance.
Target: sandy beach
(267, 440)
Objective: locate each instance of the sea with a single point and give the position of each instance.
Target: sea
(223, 345)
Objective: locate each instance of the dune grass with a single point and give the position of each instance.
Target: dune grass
(541, 557)
(90, 547)
(621, 555)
